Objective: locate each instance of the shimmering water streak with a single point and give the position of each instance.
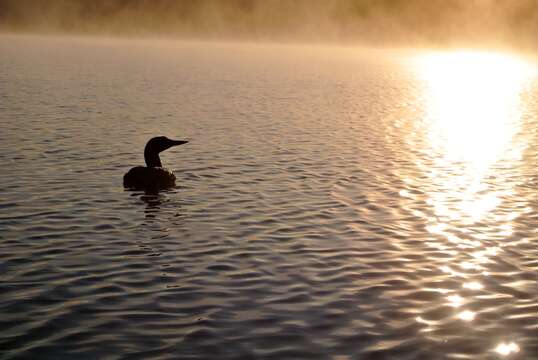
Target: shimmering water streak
(507, 348)
(473, 128)
(473, 112)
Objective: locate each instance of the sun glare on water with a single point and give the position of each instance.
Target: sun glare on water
(472, 114)
(471, 144)
(473, 102)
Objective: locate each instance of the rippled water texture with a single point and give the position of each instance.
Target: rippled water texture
(332, 203)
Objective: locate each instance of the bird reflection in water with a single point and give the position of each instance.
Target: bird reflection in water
(161, 215)
(160, 212)
(153, 201)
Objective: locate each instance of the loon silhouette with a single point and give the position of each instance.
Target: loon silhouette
(153, 176)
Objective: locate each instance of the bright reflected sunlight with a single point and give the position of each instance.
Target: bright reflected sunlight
(472, 118)
(473, 102)
(473, 111)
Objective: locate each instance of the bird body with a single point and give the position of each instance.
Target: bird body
(142, 177)
(153, 176)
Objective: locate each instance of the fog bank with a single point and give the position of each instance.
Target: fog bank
(404, 22)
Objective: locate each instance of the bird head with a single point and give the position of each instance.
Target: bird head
(157, 145)
(162, 143)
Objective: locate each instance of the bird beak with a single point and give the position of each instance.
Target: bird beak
(178, 142)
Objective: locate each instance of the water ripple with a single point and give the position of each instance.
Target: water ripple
(319, 212)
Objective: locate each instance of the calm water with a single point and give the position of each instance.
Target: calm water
(331, 204)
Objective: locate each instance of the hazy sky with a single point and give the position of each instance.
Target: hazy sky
(438, 22)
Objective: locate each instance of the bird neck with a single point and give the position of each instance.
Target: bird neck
(152, 159)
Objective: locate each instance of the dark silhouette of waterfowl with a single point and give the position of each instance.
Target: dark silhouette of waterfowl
(152, 176)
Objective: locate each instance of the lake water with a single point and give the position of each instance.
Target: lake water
(332, 203)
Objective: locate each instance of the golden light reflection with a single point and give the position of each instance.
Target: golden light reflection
(473, 112)
(507, 348)
(473, 100)
(473, 285)
(469, 143)
(472, 118)
(467, 315)
(455, 300)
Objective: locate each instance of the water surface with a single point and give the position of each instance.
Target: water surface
(331, 203)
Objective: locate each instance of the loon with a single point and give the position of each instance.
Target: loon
(153, 176)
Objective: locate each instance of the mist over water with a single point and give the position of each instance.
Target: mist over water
(403, 22)
(331, 203)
